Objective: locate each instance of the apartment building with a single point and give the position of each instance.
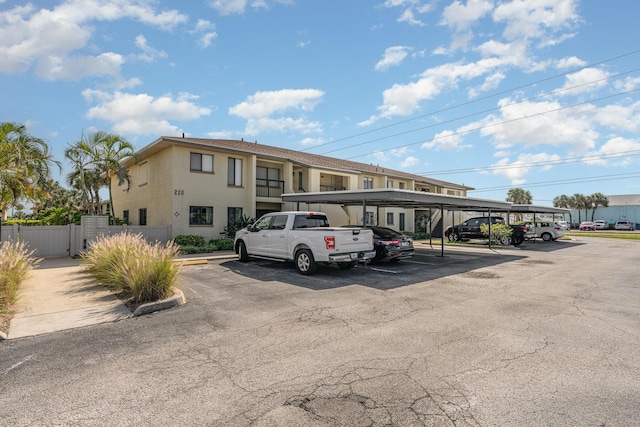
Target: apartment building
(198, 185)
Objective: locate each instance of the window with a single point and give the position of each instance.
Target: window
(311, 220)
(143, 173)
(300, 187)
(125, 216)
(389, 184)
(272, 175)
(389, 217)
(142, 216)
(200, 215)
(401, 185)
(279, 222)
(234, 214)
(368, 183)
(235, 172)
(201, 162)
(401, 226)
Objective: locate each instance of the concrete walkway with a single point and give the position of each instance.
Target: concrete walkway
(60, 296)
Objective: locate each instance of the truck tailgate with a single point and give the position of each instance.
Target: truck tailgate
(353, 239)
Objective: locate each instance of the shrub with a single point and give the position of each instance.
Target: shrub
(500, 233)
(237, 224)
(189, 240)
(126, 263)
(16, 264)
(222, 244)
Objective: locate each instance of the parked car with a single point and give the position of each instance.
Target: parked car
(601, 224)
(390, 244)
(587, 226)
(548, 231)
(470, 229)
(304, 238)
(624, 225)
(564, 225)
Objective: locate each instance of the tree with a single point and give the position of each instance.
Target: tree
(25, 164)
(519, 196)
(96, 158)
(598, 199)
(565, 202)
(579, 201)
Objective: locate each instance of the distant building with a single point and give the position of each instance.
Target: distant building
(621, 207)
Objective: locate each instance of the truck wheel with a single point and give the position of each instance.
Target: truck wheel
(453, 237)
(243, 256)
(505, 240)
(346, 265)
(305, 263)
(546, 237)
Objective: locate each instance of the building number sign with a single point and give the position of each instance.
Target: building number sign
(178, 192)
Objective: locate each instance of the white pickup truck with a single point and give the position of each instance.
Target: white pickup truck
(306, 239)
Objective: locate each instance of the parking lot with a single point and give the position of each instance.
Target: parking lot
(543, 334)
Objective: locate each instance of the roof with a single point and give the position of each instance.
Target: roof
(277, 153)
(388, 197)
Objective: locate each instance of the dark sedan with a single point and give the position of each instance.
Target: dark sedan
(390, 244)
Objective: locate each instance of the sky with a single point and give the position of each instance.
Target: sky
(542, 95)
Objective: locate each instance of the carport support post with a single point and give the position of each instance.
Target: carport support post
(442, 230)
(364, 212)
(489, 222)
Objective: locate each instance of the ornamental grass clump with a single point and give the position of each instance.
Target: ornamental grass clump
(127, 264)
(16, 264)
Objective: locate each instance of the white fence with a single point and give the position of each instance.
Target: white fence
(68, 240)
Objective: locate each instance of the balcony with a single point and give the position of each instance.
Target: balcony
(269, 188)
(331, 188)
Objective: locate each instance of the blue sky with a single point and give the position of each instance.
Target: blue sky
(538, 94)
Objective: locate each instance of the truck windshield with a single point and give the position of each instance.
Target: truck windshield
(307, 221)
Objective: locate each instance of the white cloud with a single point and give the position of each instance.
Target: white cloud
(585, 80)
(628, 84)
(624, 151)
(541, 123)
(206, 31)
(619, 117)
(570, 62)
(149, 54)
(230, 7)
(462, 16)
(259, 108)
(393, 56)
(535, 19)
(446, 141)
(518, 169)
(48, 39)
(142, 113)
(309, 142)
(410, 162)
(409, 8)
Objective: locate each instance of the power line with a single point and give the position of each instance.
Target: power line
(630, 153)
(477, 113)
(497, 123)
(474, 100)
(581, 180)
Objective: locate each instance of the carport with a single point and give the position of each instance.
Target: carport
(389, 197)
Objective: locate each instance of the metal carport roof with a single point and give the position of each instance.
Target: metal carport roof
(389, 197)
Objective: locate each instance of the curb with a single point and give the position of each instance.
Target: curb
(175, 300)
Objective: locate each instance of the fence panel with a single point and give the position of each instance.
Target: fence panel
(68, 240)
(49, 241)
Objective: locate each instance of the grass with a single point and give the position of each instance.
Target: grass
(128, 265)
(16, 264)
(607, 234)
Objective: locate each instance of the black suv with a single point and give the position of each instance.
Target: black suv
(470, 229)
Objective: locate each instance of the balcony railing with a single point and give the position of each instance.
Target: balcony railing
(269, 188)
(331, 188)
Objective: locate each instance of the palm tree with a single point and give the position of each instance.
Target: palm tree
(563, 201)
(96, 158)
(25, 164)
(598, 199)
(519, 196)
(579, 202)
